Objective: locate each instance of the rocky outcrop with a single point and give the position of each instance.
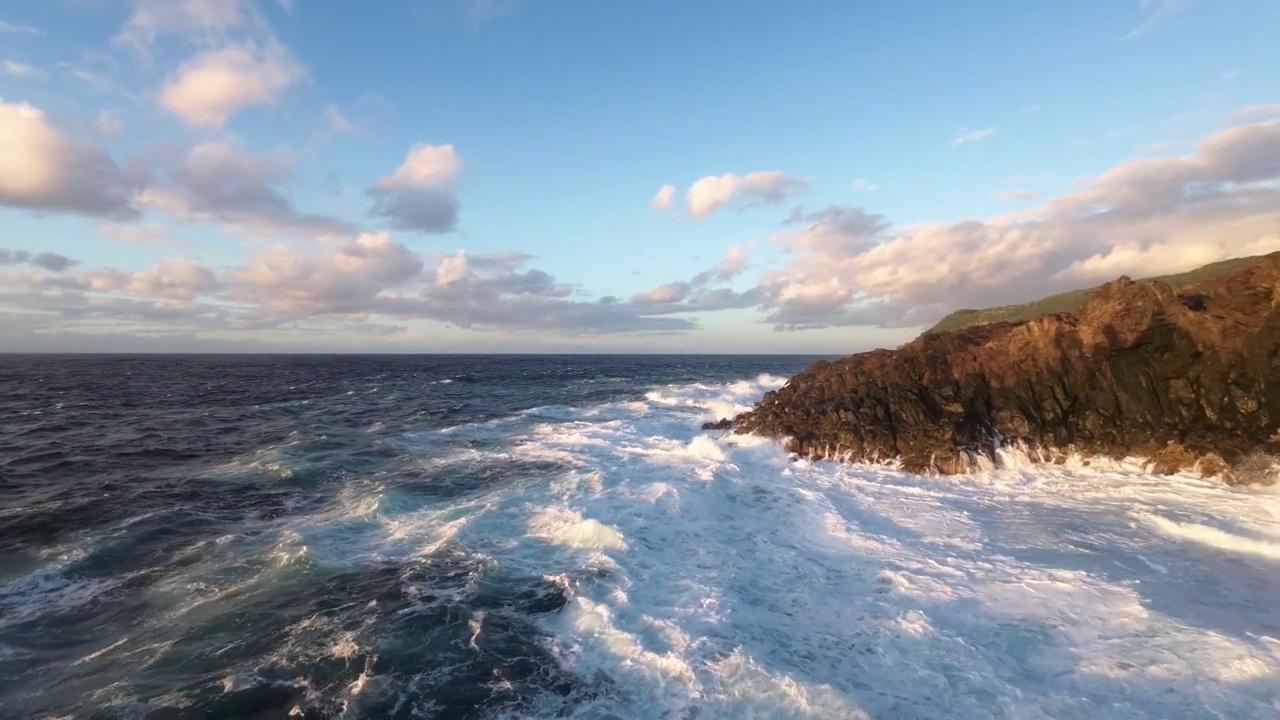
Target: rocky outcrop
(1188, 376)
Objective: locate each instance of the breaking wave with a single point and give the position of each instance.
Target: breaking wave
(610, 559)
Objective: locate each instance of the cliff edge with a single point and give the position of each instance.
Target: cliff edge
(1188, 377)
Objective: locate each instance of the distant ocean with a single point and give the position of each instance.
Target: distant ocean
(556, 537)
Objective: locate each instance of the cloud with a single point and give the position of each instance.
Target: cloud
(203, 21)
(484, 11)
(219, 183)
(43, 170)
(289, 282)
(14, 68)
(377, 276)
(967, 136)
(142, 234)
(864, 185)
(216, 84)
(1255, 113)
(335, 121)
(8, 28)
(664, 197)
(53, 262)
(419, 196)
(694, 295)
(107, 124)
(1015, 195)
(1156, 13)
(769, 187)
(1144, 217)
(172, 278)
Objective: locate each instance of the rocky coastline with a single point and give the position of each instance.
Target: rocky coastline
(1185, 376)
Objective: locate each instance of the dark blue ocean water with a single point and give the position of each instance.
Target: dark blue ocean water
(360, 538)
(186, 537)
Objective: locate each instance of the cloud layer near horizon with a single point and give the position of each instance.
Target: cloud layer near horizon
(840, 265)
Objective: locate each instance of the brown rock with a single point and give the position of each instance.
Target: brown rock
(1142, 369)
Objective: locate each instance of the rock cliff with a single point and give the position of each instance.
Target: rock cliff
(1187, 376)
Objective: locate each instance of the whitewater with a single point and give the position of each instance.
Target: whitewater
(713, 576)
(693, 574)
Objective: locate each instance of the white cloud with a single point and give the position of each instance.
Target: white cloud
(8, 28)
(335, 121)
(419, 196)
(218, 182)
(1144, 217)
(144, 234)
(1156, 13)
(1015, 195)
(43, 170)
(864, 185)
(107, 124)
(664, 197)
(14, 68)
(289, 282)
(215, 85)
(967, 136)
(695, 295)
(203, 21)
(1255, 113)
(769, 187)
(172, 278)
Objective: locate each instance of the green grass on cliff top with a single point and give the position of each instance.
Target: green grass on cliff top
(1069, 302)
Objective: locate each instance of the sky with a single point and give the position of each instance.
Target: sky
(700, 176)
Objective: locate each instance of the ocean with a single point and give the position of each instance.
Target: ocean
(556, 537)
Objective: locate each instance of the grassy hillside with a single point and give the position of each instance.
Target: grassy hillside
(1071, 301)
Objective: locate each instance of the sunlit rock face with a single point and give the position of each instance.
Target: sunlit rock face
(1187, 375)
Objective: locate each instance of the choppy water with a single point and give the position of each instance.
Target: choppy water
(555, 537)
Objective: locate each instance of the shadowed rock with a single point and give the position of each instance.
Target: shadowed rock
(1187, 376)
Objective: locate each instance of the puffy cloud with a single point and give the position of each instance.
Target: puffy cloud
(50, 261)
(419, 195)
(694, 295)
(216, 84)
(769, 187)
(376, 275)
(664, 197)
(41, 169)
(1015, 195)
(217, 182)
(495, 292)
(289, 282)
(1255, 113)
(967, 136)
(172, 278)
(1144, 217)
(665, 293)
(864, 185)
(205, 21)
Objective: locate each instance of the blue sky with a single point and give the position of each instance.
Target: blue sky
(481, 175)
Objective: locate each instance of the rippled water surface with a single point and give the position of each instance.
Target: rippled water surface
(474, 537)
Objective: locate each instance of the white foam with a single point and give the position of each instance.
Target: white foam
(709, 574)
(568, 528)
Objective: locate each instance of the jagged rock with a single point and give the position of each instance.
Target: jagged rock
(721, 424)
(1185, 376)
